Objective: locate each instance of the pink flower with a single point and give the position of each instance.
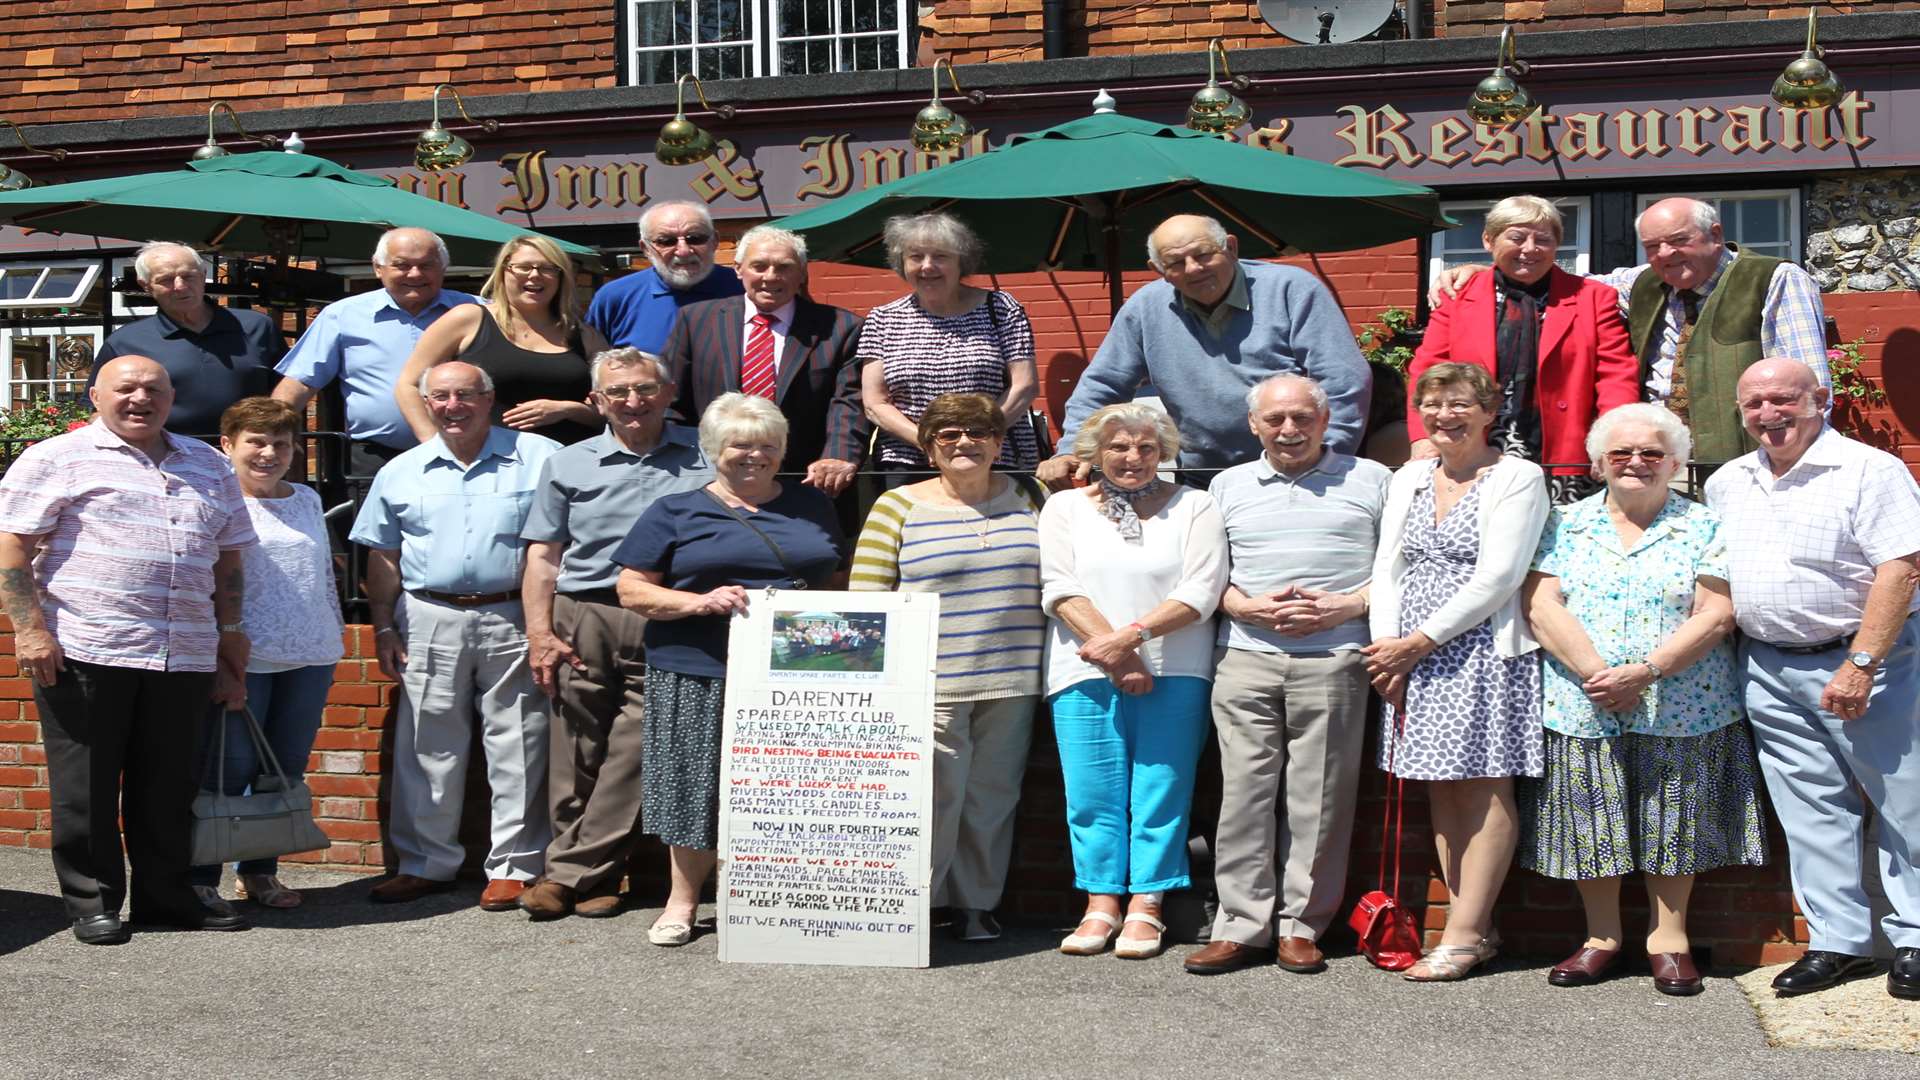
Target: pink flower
(1836, 354)
(51, 410)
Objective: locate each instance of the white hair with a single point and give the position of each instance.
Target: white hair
(1132, 416)
(1673, 432)
(764, 234)
(646, 216)
(735, 415)
(380, 249)
(486, 380)
(1314, 390)
(1704, 217)
(143, 259)
(1216, 232)
(628, 356)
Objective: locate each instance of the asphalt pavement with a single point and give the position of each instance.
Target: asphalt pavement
(341, 988)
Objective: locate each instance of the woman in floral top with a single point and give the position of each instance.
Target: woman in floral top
(1650, 765)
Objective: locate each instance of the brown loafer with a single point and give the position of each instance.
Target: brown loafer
(601, 905)
(1675, 975)
(1585, 967)
(1299, 955)
(406, 888)
(502, 894)
(547, 900)
(1224, 956)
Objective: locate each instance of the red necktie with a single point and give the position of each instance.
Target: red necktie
(756, 366)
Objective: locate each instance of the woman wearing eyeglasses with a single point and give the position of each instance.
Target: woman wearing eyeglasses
(1649, 763)
(973, 536)
(527, 335)
(945, 337)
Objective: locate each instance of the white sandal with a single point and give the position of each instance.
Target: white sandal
(1450, 963)
(266, 890)
(1141, 948)
(1091, 944)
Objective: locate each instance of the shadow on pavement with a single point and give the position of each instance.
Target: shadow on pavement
(28, 918)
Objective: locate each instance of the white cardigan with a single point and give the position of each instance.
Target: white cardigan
(1513, 510)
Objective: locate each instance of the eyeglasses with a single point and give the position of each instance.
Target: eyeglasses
(694, 240)
(1625, 457)
(441, 397)
(527, 270)
(951, 436)
(1447, 406)
(622, 393)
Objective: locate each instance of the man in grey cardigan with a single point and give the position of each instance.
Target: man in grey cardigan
(1205, 334)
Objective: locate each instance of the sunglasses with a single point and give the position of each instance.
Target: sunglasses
(1625, 457)
(951, 436)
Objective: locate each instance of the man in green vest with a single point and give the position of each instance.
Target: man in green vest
(1705, 314)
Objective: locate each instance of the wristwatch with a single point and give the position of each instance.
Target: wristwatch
(1146, 635)
(233, 628)
(1658, 674)
(1862, 660)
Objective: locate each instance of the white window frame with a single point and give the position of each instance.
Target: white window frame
(1581, 240)
(765, 36)
(122, 310)
(90, 272)
(842, 39)
(9, 334)
(756, 53)
(1791, 196)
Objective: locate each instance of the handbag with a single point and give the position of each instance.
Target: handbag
(1388, 936)
(274, 818)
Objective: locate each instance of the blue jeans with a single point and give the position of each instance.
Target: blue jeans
(1129, 767)
(288, 705)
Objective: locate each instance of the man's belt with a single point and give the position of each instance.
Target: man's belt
(469, 599)
(1809, 650)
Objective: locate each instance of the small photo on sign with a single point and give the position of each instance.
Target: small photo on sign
(829, 641)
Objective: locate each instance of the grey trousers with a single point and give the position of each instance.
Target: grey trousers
(465, 664)
(593, 759)
(979, 758)
(1290, 730)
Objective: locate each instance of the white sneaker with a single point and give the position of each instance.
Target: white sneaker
(211, 900)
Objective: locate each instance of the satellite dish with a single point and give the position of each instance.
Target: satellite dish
(1326, 22)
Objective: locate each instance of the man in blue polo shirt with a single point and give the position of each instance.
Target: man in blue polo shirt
(214, 355)
(637, 311)
(365, 340)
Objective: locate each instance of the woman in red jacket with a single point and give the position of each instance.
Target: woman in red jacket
(1554, 342)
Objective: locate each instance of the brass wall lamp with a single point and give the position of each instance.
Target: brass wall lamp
(683, 142)
(13, 179)
(937, 128)
(215, 150)
(1215, 109)
(437, 149)
(1500, 100)
(1808, 83)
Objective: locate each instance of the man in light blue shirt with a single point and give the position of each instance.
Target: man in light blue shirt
(1290, 684)
(443, 522)
(364, 342)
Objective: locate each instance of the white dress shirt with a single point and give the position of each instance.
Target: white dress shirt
(782, 321)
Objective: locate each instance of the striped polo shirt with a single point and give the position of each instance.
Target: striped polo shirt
(985, 565)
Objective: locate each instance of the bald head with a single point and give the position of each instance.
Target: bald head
(1783, 408)
(133, 395)
(1196, 256)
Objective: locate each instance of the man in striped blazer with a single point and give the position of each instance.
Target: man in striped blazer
(778, 344)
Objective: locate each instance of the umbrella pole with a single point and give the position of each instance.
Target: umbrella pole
(1110, 233)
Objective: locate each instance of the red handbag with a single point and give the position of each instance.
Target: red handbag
(1388, 936)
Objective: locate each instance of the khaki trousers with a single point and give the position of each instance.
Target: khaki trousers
(979, 758)
(1290, 730)
(593, 759)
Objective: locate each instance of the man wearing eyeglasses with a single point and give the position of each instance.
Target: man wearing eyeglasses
(442, 522)
(638, 311)
(583, 647)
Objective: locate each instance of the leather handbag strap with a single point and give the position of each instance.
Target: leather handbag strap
(795, 581)
(1394, 810)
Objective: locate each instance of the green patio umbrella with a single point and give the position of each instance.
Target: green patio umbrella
(1086, 191)
(265, 203)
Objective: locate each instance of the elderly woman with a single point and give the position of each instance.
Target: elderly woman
(1553, 341)
(527, 336)
(1650, 766)
(975, 535)
(1131, 570)
(1452, 655)
(689, 564)
(944, 337)
(292, 617)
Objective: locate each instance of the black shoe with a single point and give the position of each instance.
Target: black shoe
(103, 929)
(202, 919)
(1904, 980)
(1819, 969)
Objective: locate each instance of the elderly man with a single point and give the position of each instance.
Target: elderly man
(584, 647)
(1752, 305)
(1823, 539)
(777, 344)
(637, 311)
(443, 521)
(120, 566)
(1205, 334)
(364, 341)
(214, 355)
(1290, 686)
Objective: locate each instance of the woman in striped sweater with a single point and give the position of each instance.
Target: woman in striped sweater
(972, 537)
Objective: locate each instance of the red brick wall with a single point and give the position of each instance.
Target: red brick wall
(110, 59)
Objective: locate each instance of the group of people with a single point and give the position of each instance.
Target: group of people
(569, 507)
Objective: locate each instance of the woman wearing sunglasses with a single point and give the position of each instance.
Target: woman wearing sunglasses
(973, 536)
(1649, 763)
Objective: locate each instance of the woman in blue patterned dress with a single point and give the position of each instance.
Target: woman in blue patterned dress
(1451, 653)
(944, 337)
(1650, 766)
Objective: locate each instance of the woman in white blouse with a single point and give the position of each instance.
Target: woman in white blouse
(1452, 653)
(292, 619)
(1131, 570)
